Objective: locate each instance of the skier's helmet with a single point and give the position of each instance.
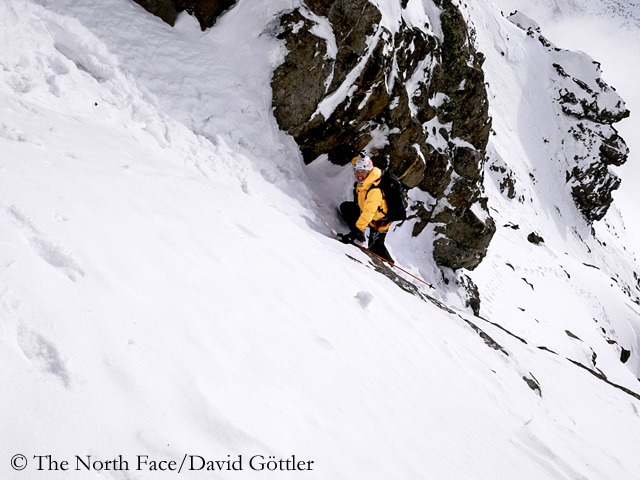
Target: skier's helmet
(362, 162)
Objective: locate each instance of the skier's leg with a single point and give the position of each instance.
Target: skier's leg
(377, 246)
(350, 212)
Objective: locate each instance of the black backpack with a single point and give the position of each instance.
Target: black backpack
(393, 192)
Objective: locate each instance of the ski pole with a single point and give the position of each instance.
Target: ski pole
(393, 265)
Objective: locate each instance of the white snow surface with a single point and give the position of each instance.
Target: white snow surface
(170, 291)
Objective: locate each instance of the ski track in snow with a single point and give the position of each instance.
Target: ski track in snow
(45, 248)
(43, 355)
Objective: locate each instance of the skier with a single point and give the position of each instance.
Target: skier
(368, 210)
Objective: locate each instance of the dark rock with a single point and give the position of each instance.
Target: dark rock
(572, 335)
(592, 183)
(299, 90)
(586, 105)
(206, 11)
(467, 163)
(356, 20)
(464, 241)
(613, 150)
(461, 78)
(533, 384)
(592, 189)
(535, 238)
(320, 7)
(560, 70)
(165, 9)
(437, 173)
(473, 295)
(507, 180)
(307, 71)
(528, 283)
(624, 355)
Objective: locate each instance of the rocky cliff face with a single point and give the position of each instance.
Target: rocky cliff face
(409, 90)
(411, 96)
(590, 108)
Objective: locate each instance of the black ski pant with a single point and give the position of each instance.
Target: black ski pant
(350, 212)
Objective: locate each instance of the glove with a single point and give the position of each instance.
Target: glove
(351, 237)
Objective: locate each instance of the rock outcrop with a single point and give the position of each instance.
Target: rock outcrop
(412, 97)
(206, 11)
(165, 9)
(591, 108)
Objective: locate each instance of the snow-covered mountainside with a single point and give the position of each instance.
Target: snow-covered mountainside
(608, 31)
(171, 297)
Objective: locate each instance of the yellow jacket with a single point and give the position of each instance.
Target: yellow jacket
(373, 206)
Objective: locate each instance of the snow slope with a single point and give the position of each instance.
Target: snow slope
(608, 31)
(533, 146)
(169, 289)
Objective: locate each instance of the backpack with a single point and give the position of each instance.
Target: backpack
(393, 193)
